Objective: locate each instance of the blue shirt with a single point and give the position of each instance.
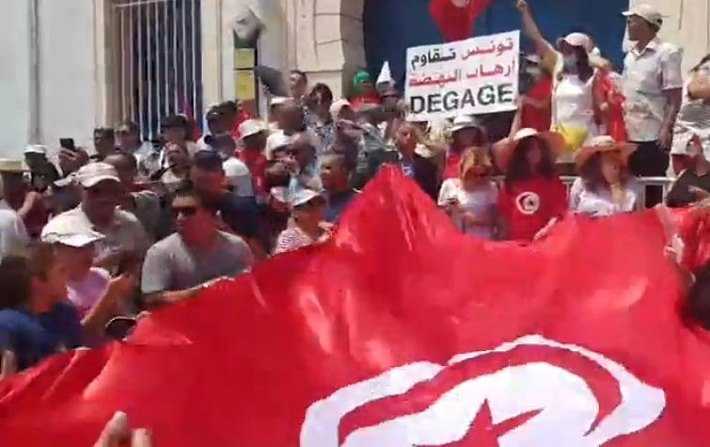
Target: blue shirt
(35, 337)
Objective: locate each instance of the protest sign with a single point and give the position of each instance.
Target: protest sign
(478, 75)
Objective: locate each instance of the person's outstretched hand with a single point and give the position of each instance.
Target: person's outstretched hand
(8, 364)
(522, 6)
(118, 432)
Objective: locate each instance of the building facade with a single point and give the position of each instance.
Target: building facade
(71, 65)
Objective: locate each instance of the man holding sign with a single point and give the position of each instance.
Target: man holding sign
(472, 76)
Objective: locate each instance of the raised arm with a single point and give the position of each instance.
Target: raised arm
(531, 30)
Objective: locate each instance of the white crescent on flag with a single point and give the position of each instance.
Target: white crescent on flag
(529, 392)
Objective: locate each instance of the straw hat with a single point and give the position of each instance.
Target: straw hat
(504, 149)
(604, 144)
(12, 166)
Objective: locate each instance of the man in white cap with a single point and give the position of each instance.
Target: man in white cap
(653, 85)
(253, 142)
(95, 295)
(693, 169)
(98, 212)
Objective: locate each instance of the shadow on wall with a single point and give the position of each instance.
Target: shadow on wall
(391, 26)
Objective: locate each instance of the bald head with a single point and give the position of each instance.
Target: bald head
(291, 118)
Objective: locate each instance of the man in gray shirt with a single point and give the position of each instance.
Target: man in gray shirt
(181, 265)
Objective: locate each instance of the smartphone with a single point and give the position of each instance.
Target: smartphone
(68, 144)
(120, 327)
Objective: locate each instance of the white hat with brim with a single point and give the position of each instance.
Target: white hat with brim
(12, 166)
(64, 230)
(505, 148)
(647, 12)
(94, 173)
(303, 196)
(462, 122)
(251, 127)
(36, 149)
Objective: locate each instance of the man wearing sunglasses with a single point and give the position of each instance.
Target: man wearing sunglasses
(181, 265)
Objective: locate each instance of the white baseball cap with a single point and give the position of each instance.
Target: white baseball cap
(95, 173)
(276, 141)
(647, 12)
(578, 40)
(463, 121)
(302, 196)
(63, 230)
(251, 127)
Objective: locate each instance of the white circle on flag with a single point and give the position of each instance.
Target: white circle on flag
(528, 203)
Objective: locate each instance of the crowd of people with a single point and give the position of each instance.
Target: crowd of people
(91, 238)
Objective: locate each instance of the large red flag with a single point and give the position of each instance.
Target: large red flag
(400, 332)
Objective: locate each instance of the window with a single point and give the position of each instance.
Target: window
(160, 61)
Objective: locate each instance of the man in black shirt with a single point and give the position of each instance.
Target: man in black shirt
(335, 170)
(241, 214)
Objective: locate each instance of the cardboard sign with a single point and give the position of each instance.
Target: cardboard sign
(473, 76)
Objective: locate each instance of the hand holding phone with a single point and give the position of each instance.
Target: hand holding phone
(67, 143)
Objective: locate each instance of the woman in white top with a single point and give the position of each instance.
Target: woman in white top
(471, 198)
(577, 102)
(694, 115)
(605, 186)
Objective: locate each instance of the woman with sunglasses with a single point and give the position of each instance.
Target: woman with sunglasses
(471, 198)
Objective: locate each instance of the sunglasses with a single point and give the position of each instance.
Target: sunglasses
(186, 211)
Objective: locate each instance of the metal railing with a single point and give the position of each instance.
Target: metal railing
(663, 182)
(160, 72)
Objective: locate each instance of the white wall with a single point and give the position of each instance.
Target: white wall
(14, 77)
(67, 70)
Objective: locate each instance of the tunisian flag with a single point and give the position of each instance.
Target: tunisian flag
(401, 332)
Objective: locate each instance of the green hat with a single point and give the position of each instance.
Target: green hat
(361, 77)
